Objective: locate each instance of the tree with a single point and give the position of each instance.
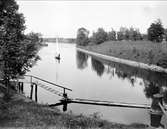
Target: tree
(82, 37)
(111, 35)
(99, 37)
(137, 35)
(156, 31)
(165, 34)
(123, 34)
(134, 34)
(126, 35)
(144, 37)
(17, 50)
(120, 36)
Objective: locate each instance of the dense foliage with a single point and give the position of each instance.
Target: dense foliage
(18, 52)
(132, 34)
(82, 37)
(156, 31)
(99, 37)
(112, 35)
(165, 34)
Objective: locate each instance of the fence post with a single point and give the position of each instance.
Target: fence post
(65, 99)
(31, 93)
(36, 95)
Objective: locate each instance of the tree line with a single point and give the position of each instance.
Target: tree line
(155, 33)
(18, 51)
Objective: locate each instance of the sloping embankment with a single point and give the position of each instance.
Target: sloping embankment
(124, 61)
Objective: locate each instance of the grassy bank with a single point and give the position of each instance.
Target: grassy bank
(140, 51)
(17, 113)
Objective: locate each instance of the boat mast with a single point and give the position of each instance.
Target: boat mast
(57, 47)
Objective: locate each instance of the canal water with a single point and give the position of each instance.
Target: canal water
(96, 79)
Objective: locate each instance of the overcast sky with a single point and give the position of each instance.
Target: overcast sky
(63, 18)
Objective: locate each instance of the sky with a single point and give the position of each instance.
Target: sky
(63, 18)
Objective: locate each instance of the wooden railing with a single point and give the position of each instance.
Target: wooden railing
(59, 86)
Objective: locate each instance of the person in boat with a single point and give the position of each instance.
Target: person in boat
(58, 57)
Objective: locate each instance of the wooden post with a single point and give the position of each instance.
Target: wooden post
(157, 98)
(31, 93)
(36, 95)
(64, 91)
(64, 101)
(19, 87)
(156, 112)
(22, 86)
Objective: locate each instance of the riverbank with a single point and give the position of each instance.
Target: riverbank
(143, 54)
(18, 112)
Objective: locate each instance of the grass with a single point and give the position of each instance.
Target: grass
(16, 113)
(140, 51)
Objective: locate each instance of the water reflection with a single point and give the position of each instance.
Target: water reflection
(97, 66)
(81, 60)
(131, 73)
(154, 83)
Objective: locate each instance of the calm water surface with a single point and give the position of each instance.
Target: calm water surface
(97, 79)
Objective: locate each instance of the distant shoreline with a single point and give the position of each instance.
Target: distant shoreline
(60, 40)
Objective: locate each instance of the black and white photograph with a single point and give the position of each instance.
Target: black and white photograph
(83, 64)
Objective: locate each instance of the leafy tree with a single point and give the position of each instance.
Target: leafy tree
(128, 34)
(17, 51)
(156, 31)
(111, 35)
(165, 34)
(134, 34)
(144, 37)
(137, 35)
(123, 34)
(82, 37)
(100, 36)
(120, 35)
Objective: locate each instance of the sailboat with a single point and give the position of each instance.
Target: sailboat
(57, 50)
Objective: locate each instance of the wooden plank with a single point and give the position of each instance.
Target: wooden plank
(57, 104)
(50, 89)
(113, 104)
